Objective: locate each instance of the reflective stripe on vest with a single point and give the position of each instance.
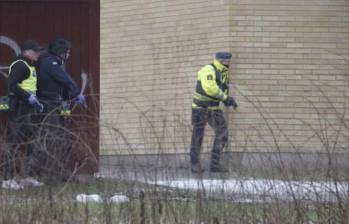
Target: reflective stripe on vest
(28, 84)
(4, 107)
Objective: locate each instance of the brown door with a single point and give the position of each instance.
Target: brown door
(45, 20)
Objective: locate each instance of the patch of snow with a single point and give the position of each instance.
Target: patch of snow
(312, 191)
(95, 198)
(119, 199)
(85, 198)
(237, 189)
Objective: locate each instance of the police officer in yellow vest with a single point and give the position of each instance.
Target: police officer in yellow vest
(23, 104)
(212, 87)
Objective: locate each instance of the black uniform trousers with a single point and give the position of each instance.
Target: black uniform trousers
(21, 139)
(55, 142)
(215, 118)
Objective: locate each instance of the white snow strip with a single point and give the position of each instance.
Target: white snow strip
(241, 189)
(119, 199)
(252, 188)
(95, 198)
(85, 198)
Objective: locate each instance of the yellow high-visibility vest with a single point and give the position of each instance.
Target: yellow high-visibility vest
(212, 86)
(29, 84)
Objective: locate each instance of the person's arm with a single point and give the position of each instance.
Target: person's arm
(64, 78)
(18, 72)
(225, 86)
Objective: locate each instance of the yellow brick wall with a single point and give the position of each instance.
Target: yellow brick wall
(289, 70)
(291, 74)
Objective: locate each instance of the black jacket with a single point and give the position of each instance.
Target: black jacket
(19, 72)
(54, 84)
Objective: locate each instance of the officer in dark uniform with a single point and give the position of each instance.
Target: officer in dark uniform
(55, 88)
(212, 87)
(22, 88)
(54, 84)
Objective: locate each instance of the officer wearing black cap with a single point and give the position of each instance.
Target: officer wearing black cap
(212, 87)
(22, 88)
(22, 81)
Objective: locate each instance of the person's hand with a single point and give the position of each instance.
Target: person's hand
(80, 99)
(230, 101)
(40, 107)
(32, 100)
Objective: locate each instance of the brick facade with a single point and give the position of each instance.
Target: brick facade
(289, 70)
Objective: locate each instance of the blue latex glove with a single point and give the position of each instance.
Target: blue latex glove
(40, 107)
(33, 99)
(80, 99)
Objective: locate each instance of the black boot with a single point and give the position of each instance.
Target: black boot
(215, 163)
(196, 168)
(218, 168)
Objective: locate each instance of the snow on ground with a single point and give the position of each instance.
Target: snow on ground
(262, 189)
(237, 188)
(96, 198)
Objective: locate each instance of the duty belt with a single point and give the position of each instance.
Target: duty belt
(201, 103)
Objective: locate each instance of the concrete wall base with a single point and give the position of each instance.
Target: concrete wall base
(267, 163)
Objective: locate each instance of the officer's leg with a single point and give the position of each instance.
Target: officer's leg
(59, 146)
(48, 141)
(11, 150)
(55, 146)
(40, 144)
(31, 139)
(14, 140)
(199, 119)
(65, 149)
(219, 124)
